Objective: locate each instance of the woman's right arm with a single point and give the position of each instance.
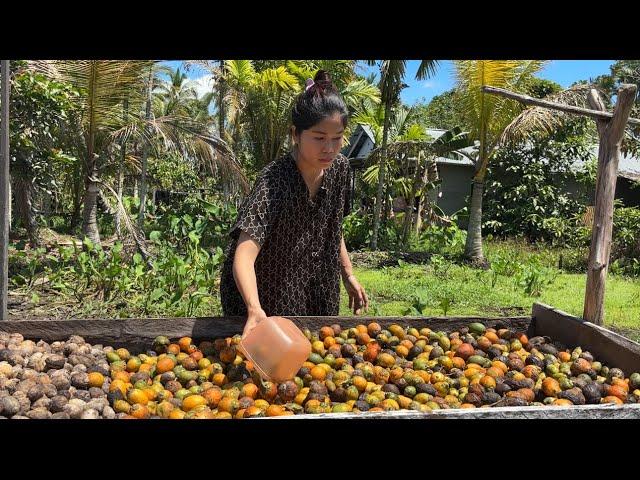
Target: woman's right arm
(245, 276)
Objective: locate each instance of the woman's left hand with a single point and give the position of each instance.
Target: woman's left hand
(358, 299)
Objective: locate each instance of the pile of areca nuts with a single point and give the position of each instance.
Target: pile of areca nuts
(365, 368)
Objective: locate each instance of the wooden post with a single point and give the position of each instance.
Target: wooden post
(611, 127)
(611, 133)
(4, 188)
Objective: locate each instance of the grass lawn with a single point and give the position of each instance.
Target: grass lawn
(465, 291)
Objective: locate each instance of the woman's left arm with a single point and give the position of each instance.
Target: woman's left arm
(358, 299)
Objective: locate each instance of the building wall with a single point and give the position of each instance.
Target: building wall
(366, 148)
(624, 191)
(455, 187)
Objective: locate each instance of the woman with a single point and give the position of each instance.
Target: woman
(287, 253)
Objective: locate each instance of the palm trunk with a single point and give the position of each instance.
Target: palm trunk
(123, 151)
(235, 135)
(10, 205)
(145, 153)
(430, 171)
(46, 206)
(383, 154)
(473, 247)
(388, 205)
(221, 109)
(90, 211)
(407, 221)
(408, 211)
(77, 197)
(24, 208)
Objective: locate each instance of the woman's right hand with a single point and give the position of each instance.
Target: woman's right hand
(254, 316)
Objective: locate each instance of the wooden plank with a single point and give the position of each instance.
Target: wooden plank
(611, 133)
(603, 411)
(140, 332)
(5, 200)
(606, 346)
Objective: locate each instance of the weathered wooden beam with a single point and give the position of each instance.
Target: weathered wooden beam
(138, 333)
(5, 201)
(611, 133)
(601, 411)
(612, 349)
(537, 102)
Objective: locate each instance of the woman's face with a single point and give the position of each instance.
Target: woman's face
(319, 145)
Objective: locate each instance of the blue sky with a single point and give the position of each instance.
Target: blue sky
(564, 72)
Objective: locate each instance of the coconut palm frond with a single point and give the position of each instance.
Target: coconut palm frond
(426, 69)
(536, 121)
(104, 84)
(133, 235)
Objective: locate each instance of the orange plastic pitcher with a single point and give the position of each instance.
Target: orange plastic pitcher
(277, 348)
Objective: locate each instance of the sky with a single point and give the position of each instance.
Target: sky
(564, 72)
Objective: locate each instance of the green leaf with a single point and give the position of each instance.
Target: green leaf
(156, 294)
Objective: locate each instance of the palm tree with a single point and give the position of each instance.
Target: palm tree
(487, 117)
(172, 95)
(259, 102)
(145, 151)
(103, 86)
(391, 84)
(409, 160)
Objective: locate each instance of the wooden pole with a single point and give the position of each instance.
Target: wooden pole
(4, 187)
(537, 102)
(611, 127)
(611, 133)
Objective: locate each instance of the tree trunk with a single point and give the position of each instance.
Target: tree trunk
(388, 206)
(90, 211)
(24, 208)
(408, 211)
(221, 105)
(145, 153)
(77, 197)
(120, 182)
(10, 205)
(430, 170)
(5, 204)
(473, 247)
(611, 133)
(46, 206)
(383, 158)
(407, 221)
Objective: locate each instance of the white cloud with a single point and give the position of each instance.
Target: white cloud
(203, 84)
(428, 84)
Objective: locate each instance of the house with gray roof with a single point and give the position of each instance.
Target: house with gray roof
(456, 171)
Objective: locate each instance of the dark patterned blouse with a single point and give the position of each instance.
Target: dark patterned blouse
(298, 267)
